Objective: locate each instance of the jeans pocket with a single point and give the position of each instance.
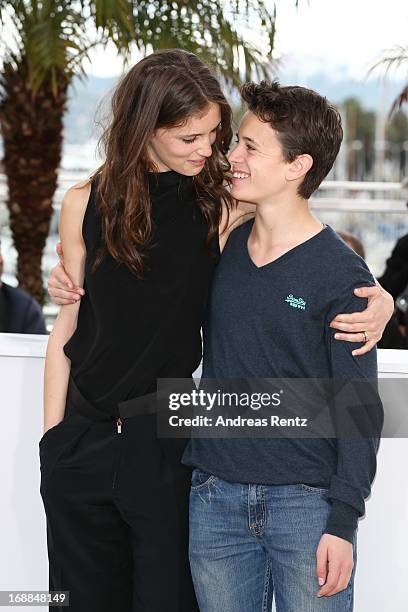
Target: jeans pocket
(201, 479)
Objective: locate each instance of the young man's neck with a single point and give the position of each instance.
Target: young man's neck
(280, 227)
(284, 223)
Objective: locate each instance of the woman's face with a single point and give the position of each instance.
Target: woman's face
(185, 148)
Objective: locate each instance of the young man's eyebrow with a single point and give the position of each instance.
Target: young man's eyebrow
(248, 139)
(191, 135)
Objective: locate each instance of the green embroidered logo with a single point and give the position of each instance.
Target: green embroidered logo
(296, 302)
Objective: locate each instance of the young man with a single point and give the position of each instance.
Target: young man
(279, 516)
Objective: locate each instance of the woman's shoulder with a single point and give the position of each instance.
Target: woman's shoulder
(77, 196)
(73, 207)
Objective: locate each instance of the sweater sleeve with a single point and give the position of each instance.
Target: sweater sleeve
(357, 377)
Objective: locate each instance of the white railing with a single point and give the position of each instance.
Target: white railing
(358, 196)
(374, 186)
(360, 204)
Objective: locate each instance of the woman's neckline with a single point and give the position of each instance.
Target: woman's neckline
(165, 179)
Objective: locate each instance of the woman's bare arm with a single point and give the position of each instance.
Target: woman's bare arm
(57, 365)
(60, 286)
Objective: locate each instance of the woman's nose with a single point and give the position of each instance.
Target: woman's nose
(205, 150)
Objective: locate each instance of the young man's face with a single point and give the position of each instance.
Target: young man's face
(258, 160)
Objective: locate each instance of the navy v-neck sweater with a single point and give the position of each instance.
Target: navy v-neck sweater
(273, 322)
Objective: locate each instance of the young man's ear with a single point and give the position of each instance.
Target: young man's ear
(299, 167)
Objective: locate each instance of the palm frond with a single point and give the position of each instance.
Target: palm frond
(395, 58)
(236, 38)
(399, 101)
(51, 42)
(114, 21)
(54, 37)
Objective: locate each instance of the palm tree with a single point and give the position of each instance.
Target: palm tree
(397, 57)
(44, 45)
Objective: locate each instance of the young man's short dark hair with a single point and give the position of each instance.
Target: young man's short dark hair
(305, 122)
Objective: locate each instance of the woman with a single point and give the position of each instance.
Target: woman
(146, 224)
(143, 237)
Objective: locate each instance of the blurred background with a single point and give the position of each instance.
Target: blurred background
(60, 60)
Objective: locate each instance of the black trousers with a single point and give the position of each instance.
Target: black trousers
(117, 516)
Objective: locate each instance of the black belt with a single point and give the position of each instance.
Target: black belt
(137, 406)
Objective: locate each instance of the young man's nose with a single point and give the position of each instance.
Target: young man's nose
(235, 156)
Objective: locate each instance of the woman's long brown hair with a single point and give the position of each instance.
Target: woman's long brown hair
(162, 90)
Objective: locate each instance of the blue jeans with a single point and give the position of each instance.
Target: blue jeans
(249, 543)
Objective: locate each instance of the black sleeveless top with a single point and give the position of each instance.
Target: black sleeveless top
(131, 332)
